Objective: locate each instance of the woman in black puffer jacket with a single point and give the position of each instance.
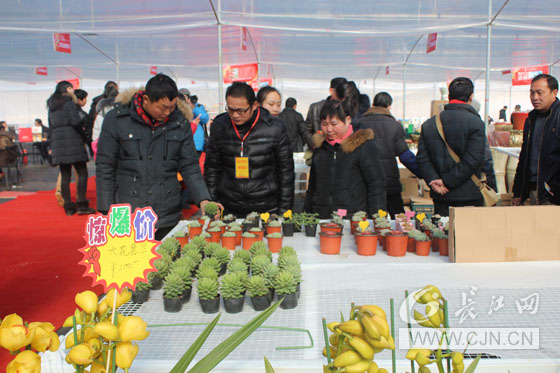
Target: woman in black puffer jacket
(67, 145)
(346, 172)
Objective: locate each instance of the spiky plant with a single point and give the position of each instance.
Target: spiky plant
(234, 224)
(214, 229)
(180, 233)
(295, 271)
(287, 250)
(256, 286)
(162, 265)
(194, 254)
(244, 277)
(184, 268)
(438, 233)
(173, 286)
(185, 261)
(199, 241)
(231, 286)
(210, 248)
(288, 260)
(260, 248)
(258, 264)
(245, 255)
(194, 224)
(229, 217)
(169, 245)
(211, 209)
(211, 262)
(275, 223)
(208, 288)
(269, 272)
(216, 224)
(335, 218)
(206, 271)
(152, 277)
(237, 265)
(285, 283)
(222, 254)
(141, 286)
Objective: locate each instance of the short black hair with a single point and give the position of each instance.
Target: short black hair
(194, 99)
(291, 102)
(38, 120)
(110, 83)
(550, 80)
(263, 93)
(349, 93)
(334, 108)
(161, 86)
(335, 82)
(241, 89)
(383, 99)
(80, 94)
(461, 89)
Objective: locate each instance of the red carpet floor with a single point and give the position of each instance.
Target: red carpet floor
(39, 246)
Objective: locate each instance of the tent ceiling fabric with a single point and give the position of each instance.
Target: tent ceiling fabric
(311, 40)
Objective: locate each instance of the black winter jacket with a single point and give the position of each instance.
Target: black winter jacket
(270, 186)
(549, 158)
(346, 176)
(65, 122)
(297, 129)
(389, 141)
(313, 121)
(138, 165)
(464, 132)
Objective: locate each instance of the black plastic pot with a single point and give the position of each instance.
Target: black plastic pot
(290, 301)
(210, 305)
(172, 304)
(234, 305)
(140, 296)
(310, 230)
(288, 229)
(223, 269)
(187, 295)
(298, 290)
(157, 282)
(271, 292)
(260, 303)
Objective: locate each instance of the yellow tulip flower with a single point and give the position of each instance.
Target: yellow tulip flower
(95, 343)
(107, 330)
(120, 319)
(122, 297)
(88, 334)
(125, 354)
(13, 334)
(87, 300)
(81, 354)
(97, 368)
(45, 338)
(133, 328)
(26, 361)
(411, 354)
(102, 307)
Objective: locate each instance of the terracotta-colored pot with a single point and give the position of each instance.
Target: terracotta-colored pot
(274, 244)
(223, 229)
(229, 242)
(202, 222)
(435, 244)
(353, 225)
(260, 235)
(422, 247)
(248, 242)
(270, 230)
(183, 240)
(238, 237)
(215, 236)
(366, 243)
(194, 231)
(410, 245)
(396, 244)
(383, 242)
(443, 246)
(330, 227)
(330, 242)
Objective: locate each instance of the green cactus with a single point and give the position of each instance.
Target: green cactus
(248, 235)
(288, 260)
(214, 229)
(210, 248)
(185, 274)
(269, 272)
(256, 287)
(237, 265)
(287, 250)
(260, 248)
(208, 288)
(180, 233)
(222, 254)
(428, 224)
(335, 218)
(173, 286)
(229, 234)
(275, 223)
(234, 224)
(231, 286)
(274, 235)
(169, 245)
(211, 262)
(258, 263)
(206, 271)
(199, 241)
(184, 261)
(359, 215)
(193, 253)
(245, 255)
(162, 265)
(295, 271)
(216, 223)
(140, 285)
(285, 283)
(385, 232)
(234, 228)
(194, 224)
(244, 277)
(255, 229)
(438, 233)
(152, 276)
(211, 209)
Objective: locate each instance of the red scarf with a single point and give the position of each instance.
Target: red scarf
(338, 141)
(137, 102)
(457, 102)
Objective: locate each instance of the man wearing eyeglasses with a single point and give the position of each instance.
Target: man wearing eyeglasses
(249, 162)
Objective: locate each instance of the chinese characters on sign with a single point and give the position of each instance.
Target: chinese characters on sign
(432, 42)
(61, 42)
(41, 70)
(524, 75)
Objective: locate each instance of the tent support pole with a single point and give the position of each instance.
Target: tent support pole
(488, 47)
(374, 78)
(117, 63)
(404, 76)
(220, 62)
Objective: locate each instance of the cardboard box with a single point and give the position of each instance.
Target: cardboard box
(409, 188)
(503, 234)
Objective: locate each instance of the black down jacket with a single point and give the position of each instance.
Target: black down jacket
(138, 165)
(65, 122)
(389, 141)
(297, 129)
(346, 176)
(464, 132)
(270, 186)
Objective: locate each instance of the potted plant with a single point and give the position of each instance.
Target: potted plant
(287, 250)
(142, 292)
(203, 220)
(422, 242)
(248, 239)
(366, 240)
(288, 260)
(195, 228)
(269, 273)
(335, 225)
(274, 242)
(215, 233)
(223, 256)
(192, 251)
(232, 289)
(258, 263)
(258, 293)
(184, 267)
(200, 242)
(182, 237)
(162, 265)
(211, 209)
(286, 286)
(208, 294)
(228, 240)
(173, 288)
(356, 218)
(245, 255)
(330, 242)
(217, 223)
(427, 226)
(273, 226)
(257, 232)
(381, 223)
(396, 243)
(298, 221)
(171, 247)
(237, 265)
(206, 271)
(260, 248)
(236, 228)
(295, 270)
(442, 241)
(229, 218)
(288, 224)
(310, 221)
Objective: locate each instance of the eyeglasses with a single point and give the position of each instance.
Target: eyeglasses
(237, 111)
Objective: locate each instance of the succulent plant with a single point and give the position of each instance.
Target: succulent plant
(287, 250)
(255, 229)
(385, 232)
(252, 215)
(245, 255)
(421, 236)
(210, 248)
(428, 224)
(258, 263)
(288, 260)
(438, 233)
(206, 271)
(229, 234)
(216, 223)
(244, 277)
(199, 241)
(367, 230)
(256, 286)
(185, 273)
(208, 288)
(169, 245)
(274, 235)
(234, 224)
(260, 248)
(214, 229)
(229, 217)
(173, 286)
(234, 228)
(359, 215)
(269, 272)
(152, 277)
(382, 223)
(335, 218)
(194, 224)
(275, 223)
(285, 283)
(205, 235)
(140, 285)
(248, 235)
(232, 286)
(194, 254)
(222, 254)
(211, 209)
(211, 262)
(162, 265)
(184, 261)
(180, 233)
(295, 271)
(237, 265)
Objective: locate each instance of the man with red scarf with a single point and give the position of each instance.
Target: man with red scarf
(144, 142)
(450, 182)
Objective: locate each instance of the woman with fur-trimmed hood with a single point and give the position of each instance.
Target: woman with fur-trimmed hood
(345, 172)
(67, 145)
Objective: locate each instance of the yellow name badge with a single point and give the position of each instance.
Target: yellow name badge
(242, 167)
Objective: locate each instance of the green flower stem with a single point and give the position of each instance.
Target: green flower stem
(393, 352)
(327, 349)
(446, 325)
(409, 325)
(75, 330)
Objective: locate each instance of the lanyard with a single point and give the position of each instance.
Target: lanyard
(247, 134)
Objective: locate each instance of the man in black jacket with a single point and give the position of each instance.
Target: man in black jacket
(249, 162)
(464, 131)
(295, 124)
(143, 144)
(313, 121)
(538, 171)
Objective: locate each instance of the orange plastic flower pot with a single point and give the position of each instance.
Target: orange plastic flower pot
(422, 247)
(353, 225)
(259, 234)
(410, 245)
(330, 227)
(274, 244)
(396, 244)
(215, 236)
(202, 222)
(435, 244)
(443, 245)
(238, 237)
(270, 230)
(248, 242)
(183, 240)
(229, 242)
(194, 231)
(367, 244)
(330, 242)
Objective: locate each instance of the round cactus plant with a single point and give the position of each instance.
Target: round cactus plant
(256, 286)
(285, 283)
(231, 286)
(173, 286)
(269, 272)
(258, 263)
(208, 288)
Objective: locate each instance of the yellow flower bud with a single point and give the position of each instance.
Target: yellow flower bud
(411, 354)
(13, 334)
(102, 307)
(88, 334)
(45, 338)
(122, 297)
(97, 368)
(87, 301)
(422, 359)
(95, 343)
(26, 361)
(125, 354)
(107, 330)
(81, 354)
(288, 214)
(133, 328)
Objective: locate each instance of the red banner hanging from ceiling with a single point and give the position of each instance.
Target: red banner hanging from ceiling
(432, 42)
(524, 75)
(153, 70)
(240, 73)
(244, 38)
(61, 42)
(41, 70)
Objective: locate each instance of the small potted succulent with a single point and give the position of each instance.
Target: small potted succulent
(237, 265)
(288, 224)
(204, 220)
(208, 294)
(286, 287)
(422, 242)
(211, 262)
(269, 272)
(287, 250)
(171, 247)
(259, 232)
(173, 288)
(211, 209)
(215, 233)
(274, 242)
(310, 221)
(381, 223)
(248, 239)
(236, 228)
(260, 248)
(274, 226)
(223, 256)
(209, 249)
(383, 233)
(441, 241)
(366, 239)
(195, 228)
(200, 242)
(162, 265)
(245, 255)
(295, 270)
(330, 242)
(182, 237)
(184, 267)
(356, 218)
(229, 218)
(258, 263)
(229, 239)
(142, 292)
(287, 260)
(396, 243)
(206, 271)
(335, 225)
(232, 290)
(192, 251)
(258, 293)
